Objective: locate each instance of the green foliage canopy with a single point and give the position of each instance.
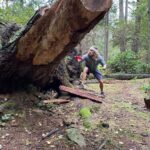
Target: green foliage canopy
(16, 13)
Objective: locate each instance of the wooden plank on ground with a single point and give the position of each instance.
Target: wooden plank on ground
(81, 93)
(56, 101)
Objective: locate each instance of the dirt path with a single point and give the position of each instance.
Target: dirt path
(121, 122)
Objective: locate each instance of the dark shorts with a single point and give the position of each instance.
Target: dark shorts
(97, 74)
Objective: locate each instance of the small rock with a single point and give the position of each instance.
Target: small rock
(40, 124)
(48, 142)
(67, 122)
(96, 135)
(39, 97)
(121, 143)
(2, 124)
(132, 125)
(5, 99)
(39, 111)
(28, 142)
(144, 134)
(52, 146)
(14, 123)
(74, 135)
(76, 82)
(27, 130)
(60, 136)
(6, 135)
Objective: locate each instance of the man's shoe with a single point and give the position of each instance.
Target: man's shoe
(102, 94)
(83, 86)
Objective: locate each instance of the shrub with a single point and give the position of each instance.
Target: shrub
(146, 88)
(128, 62)
(124, 62)
(142, 68)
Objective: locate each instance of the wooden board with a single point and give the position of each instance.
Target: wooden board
(81, 93)
(56, 101)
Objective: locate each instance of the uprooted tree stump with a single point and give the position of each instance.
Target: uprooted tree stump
(35, 56)
(147, 102)
(73, 67)
(147, 99)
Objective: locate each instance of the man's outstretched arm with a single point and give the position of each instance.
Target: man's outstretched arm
(102, 62)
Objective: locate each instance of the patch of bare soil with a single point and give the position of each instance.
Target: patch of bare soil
(121, 122)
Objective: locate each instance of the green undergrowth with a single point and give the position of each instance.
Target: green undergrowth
(9, 108)
(9, 111)
(43, 106)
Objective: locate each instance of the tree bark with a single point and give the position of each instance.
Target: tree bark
(136, 39)
(126, 11)
(106, 37)
(122, 32)
(121, 12)
(48, 37)
(148, 59)
(6, 3)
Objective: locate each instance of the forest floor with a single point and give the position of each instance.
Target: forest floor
(121, 122)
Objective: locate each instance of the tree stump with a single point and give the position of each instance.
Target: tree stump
(147, 102)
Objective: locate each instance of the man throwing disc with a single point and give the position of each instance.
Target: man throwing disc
(92, 59)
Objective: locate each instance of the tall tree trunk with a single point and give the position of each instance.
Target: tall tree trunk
(21, 3)
(136, 39)
(126, 11)
(106, 43)
(6, 1)
(121, 12)
(50, 34)
(126, 22)
(122, 32)
(148, 60)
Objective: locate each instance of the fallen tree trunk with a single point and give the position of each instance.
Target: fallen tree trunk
(47, 38)
(127, 76)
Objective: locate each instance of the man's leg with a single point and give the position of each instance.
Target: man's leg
(84, 75)
(101, 86)
(98, 76)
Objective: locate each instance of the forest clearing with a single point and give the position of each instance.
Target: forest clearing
(121, 120)
(74, 75)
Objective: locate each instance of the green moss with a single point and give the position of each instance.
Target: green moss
(85, 112)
